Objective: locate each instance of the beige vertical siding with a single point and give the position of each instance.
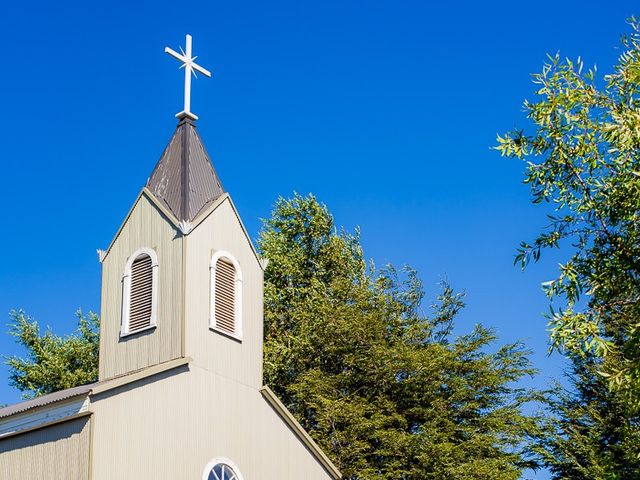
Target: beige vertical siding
(240, 361)
(146, 226)
(170, 427)
(173, 424)
(58, 452)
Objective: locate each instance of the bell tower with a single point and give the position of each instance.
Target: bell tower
(181, 278)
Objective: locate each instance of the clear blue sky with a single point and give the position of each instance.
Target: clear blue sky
(385, 110)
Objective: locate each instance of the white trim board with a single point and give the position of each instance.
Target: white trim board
(29, 421)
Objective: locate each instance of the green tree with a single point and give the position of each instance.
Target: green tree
(589, 435)
(583, 158)
(384, 388)
(52, 362)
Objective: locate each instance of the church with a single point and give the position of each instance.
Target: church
(179, 393)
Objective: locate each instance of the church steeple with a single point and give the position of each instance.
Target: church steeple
(181, 277)
(184, 178)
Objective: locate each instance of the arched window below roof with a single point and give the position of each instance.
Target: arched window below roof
(139, 292)
(226, 295)
(221, 469)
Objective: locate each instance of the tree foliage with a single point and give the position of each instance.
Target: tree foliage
(385, 388)
(382, 386)
(52, 362)
(583, 158)
(589, 434)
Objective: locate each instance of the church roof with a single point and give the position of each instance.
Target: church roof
(45, 400)
(184, 178)
(92, 388)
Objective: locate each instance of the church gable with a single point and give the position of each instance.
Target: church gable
(183, 422)
(132, 337)
(223, 323)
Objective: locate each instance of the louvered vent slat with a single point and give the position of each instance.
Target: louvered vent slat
(140, 297)
(225, 296)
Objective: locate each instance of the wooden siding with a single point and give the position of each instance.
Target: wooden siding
(58, 452)
(146, 226)
(172, 426)
(238, 360)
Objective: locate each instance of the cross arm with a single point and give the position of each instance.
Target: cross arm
(200, 69)
(175, 54)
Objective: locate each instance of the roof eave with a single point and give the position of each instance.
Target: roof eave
(157, 203)
(70, 403)
(202, 216)
(300, 432)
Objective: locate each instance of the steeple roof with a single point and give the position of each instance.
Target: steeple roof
(184, 178)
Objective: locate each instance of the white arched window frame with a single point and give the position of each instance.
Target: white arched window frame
(126, 291)
(222, 461)
(237, 297)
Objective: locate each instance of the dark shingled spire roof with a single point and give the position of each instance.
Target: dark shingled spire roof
(184, 178)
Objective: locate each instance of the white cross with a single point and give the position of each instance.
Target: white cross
(189, 67)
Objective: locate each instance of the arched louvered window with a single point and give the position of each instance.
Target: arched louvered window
(221, 469)
(139, 292)
(226, 295)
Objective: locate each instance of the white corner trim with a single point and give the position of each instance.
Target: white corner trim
(238, 293)
(223, 461)
(185, 226)
(264, 262)
(101, 255)
(31, 420)
(126, 290)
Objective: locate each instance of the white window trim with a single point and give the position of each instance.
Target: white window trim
(238, 294)
(225, 461)
(126, 291)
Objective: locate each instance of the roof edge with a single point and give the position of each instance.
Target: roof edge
(300, 432)
(48, 400)
(111, 383)
(69, 395)
(247, 236)
(208, 210)
(51, 423)
(202, 216)
(156, 202)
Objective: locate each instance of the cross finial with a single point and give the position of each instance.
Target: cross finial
(190, 67)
